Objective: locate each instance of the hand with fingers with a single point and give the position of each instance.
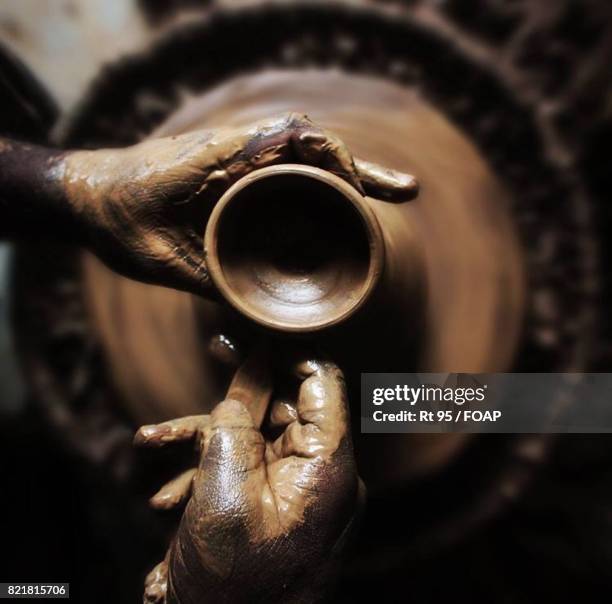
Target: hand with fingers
(143, 209)
(269, 509)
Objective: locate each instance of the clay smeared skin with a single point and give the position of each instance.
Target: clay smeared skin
(144, 208)
(156, 584)
(266, 519)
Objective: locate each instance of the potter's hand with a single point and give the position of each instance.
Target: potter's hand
(143, 209)
(269, 514)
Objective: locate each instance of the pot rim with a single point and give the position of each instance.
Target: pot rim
(354, 197)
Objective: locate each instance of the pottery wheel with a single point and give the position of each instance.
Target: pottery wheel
(155, 339)
(416, 90)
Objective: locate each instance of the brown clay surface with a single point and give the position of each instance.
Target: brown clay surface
(294, 248)
(453, 286)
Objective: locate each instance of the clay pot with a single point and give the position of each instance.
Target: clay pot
(294, 248)
(449, 297)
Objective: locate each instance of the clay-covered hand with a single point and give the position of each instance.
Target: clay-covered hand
(270, 510)
(143, 208)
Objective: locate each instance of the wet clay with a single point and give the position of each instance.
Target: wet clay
(466, 317)
(256, 493)
(294, 248)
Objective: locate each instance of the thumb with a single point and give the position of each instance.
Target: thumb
(224, 497)
(232, 462)
(384, 183)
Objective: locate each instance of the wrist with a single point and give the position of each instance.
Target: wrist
(77, 175)
(91, 184)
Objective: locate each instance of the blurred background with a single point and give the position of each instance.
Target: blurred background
(505, 110)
